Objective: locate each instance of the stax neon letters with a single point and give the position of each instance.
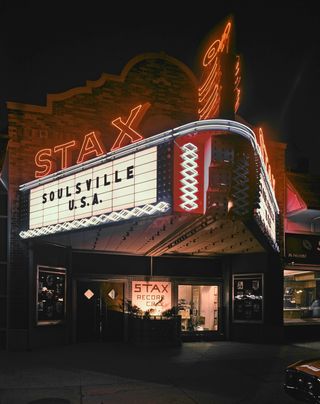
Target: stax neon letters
(126, 128)
(91, 146)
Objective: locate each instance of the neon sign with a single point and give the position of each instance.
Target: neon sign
(265, 157)
(126, 129)
(237, 80)
(91, 146)
(192, 157)
(210, 90)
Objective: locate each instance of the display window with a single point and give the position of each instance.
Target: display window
(247, 302)
(51, 293)
(198, 307)
(301, 297)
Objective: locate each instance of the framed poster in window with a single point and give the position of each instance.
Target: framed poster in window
(247, 298)
(51, 295)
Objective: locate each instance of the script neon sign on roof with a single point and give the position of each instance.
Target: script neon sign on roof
(124, 183)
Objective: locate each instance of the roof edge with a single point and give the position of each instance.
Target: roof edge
(92, 84)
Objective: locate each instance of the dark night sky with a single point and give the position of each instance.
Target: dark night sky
(47, 48)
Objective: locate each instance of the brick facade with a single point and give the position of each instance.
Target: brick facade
(166, 83)
(171, 89)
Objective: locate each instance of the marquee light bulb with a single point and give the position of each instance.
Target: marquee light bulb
(125, 214)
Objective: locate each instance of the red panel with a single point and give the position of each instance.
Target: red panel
(202, 142)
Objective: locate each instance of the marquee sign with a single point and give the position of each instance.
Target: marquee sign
(170, 170)
(121, 184)
(266, 212)
(115, 190)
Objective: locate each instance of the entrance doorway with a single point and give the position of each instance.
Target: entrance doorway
(99, 311)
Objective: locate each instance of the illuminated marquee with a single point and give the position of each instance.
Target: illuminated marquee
(266, 212)
(109, 192)
(265, 158)
(72, 199)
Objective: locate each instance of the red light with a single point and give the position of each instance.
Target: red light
(91, 145)
(126, 129)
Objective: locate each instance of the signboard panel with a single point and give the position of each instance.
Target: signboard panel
(113, 186)
(266, 211)
(152, 296)
(303, 249)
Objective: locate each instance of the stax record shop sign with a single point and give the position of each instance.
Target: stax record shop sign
(91, 145)
(151, 296)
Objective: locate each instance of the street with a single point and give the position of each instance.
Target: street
(202, 372)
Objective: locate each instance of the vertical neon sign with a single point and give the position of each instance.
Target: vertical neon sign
(219, 91)
(237, 79)
(210, 89)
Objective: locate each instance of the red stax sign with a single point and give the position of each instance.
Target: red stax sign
(91, 146)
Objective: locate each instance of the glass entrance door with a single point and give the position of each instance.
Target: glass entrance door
(99, 311)
(198, 306)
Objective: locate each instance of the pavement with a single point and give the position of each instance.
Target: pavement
(220, 372)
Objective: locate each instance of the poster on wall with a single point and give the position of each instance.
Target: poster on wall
(51, 292)
(248, 298)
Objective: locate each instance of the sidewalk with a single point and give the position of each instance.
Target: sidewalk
(204, 372)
